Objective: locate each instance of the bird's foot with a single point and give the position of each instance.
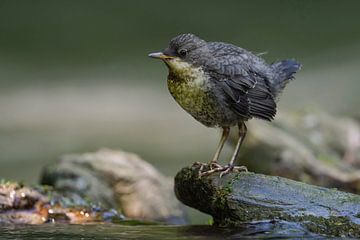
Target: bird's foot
(222, 169)
(202, 166)
(229, 168)
(199, 165)
(214, 165)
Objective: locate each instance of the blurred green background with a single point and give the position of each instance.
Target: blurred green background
(75, 76)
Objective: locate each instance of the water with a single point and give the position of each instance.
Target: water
(153, 232)
(107, 231)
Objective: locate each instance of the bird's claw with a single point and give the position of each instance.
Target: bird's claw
(241, 168)
(222, 169)
(214, 165)
(199, 165)
(229, 168)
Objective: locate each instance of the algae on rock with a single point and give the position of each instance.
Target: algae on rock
(239, 198)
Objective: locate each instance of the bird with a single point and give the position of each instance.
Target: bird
(222, 85)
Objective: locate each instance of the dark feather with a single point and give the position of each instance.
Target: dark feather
(248, 92)
(283, 72)
(241, 83)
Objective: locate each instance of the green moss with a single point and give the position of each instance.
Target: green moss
(218, 197)
(229, 185)
(242, 213)
(333, 226)
(339, 226)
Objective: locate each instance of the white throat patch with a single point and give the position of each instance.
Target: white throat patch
(185, 71)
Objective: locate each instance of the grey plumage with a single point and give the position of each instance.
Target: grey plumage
(250, 86)
(223, 85)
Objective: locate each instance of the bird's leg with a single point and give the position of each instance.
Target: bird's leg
(224, 136)
(231, 165)
(213, 164)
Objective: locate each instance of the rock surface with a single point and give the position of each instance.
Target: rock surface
(239, 198)
(28, 205)
(119, 180)
(312, 147)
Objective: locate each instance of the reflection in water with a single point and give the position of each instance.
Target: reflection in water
(154, 232)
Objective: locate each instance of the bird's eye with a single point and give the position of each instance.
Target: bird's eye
(182, 52)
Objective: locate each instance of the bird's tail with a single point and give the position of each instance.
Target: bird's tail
(284, 72)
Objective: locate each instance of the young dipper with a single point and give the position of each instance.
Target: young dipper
(222, 85)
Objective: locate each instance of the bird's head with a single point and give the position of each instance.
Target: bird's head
(184, 51)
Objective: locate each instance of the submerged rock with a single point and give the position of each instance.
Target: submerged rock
(116, 179)
(242, 198)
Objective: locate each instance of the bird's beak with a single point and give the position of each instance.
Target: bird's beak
(160, 55)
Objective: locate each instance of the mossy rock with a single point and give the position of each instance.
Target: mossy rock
(239, 198)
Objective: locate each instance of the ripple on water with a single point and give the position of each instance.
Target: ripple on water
(153, 232)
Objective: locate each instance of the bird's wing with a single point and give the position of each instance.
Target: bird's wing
(247, 90)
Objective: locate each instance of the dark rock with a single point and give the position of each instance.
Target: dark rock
(239, 198)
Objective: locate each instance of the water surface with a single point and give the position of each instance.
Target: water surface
(152, 232)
